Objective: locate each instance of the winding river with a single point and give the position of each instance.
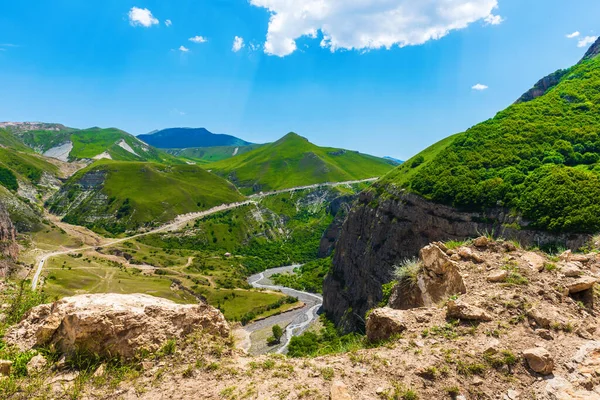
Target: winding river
(296, 321)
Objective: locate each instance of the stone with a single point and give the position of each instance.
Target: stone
(539, 360)
(482, 242)
(5, 366)
(545, 334)
(558, 388)
(547, 316)
(458, 309)
(100, 371)
(113, 324)
(36, 364)
(571, 269)
(509, 246)
(535, 261)
(580, 284)
(339, 391)
(497, 276)
(512, 394)
(438, 280)
(466, 253)
(383, 323)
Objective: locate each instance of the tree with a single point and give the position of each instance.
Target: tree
(277, 334)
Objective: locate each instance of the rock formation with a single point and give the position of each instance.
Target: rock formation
(113, 324)
(380, 232)
(9, 250)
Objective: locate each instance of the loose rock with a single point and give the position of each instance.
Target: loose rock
(461, 310)
(539, 360)
(497, 276)
(5, 366)
(339, 391)
(384, 323)
(36, 364)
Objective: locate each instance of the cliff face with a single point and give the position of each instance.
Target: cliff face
(8, 235)
(379, 233)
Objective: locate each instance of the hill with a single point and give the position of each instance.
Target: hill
(294, 161)
(211, 154)
(117, 196)
(181, 138)
(68, 144)
(539, 157)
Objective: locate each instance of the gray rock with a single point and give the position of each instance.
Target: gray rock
(384, 323)
(460, 310)
(539, 360)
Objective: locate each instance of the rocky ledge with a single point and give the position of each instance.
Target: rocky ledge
(380, 233)
(113, 324)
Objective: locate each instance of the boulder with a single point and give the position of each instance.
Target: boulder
(467, 254)
(481, 242)
(571, 269)
(5, 366)
(497, 276)
(547, 316)
(113, 324)
(438, 280)
(458, 309)
(535, 261)
(539, 360)
(36, 364)
(580, 284)
(383, 323)
(339, 391)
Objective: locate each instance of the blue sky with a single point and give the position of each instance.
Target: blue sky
(325, 73)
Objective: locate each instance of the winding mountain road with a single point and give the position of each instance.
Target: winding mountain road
(180, 221)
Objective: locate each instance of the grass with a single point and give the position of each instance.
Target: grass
(205, 155)
(293, 161)
(408, 271)
(132, 194)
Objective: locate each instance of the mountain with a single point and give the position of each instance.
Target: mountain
(294, 161)
(539, 157)
(530, 174)
(394, 160)
(116, 196)
(182, 138)
(68, 144)
(211, 154)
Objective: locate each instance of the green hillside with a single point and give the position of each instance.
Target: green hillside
(117, 196)
(204, 155)
(92, 143)
(539, 157)
(294, 161)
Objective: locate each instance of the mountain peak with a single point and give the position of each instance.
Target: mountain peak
(292, 136)
(593, 51)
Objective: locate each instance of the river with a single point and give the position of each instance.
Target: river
(295, 322)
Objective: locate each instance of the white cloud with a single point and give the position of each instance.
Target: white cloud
(168, 22)
(198, 39)
(587, 41)
(493, 19)
(141, 17)
(183, 49)
(369, 24)
(573, 35)
(254, 46)
(238, 44)
(479, 87)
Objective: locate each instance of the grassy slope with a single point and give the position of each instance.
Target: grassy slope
(294, 161)
(156, 193)
(211, 154)
(539, 158)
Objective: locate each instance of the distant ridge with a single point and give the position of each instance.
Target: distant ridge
(183, 138)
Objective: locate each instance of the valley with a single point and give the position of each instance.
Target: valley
(183, 263)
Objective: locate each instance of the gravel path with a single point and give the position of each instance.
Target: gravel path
(295, 322)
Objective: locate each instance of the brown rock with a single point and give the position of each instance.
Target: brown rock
(114, 324)
(545, 334)
(580, 284)
(571, 269)
(339, 391)
(383, 323)
(467, 254)
(36, 364)
(497, 276)
(5, 366)
(439, 279)
(482, 242)
(534, 260)
(547, 316)
(460, 310)
(539, 360)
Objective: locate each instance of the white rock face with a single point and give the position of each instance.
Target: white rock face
(113, 324)
(124, 145)
(60, 152)
(102, 156)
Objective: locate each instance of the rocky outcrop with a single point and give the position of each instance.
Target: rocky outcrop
(380, 232)
(437, 280)
(113, 324)
(383, 323)
(592, 51)
(8, 235)
(542, 86)
(339, 209)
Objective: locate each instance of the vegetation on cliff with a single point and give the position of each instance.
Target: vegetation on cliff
(538, 157)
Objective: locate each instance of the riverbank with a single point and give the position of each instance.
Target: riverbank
(294, 322)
